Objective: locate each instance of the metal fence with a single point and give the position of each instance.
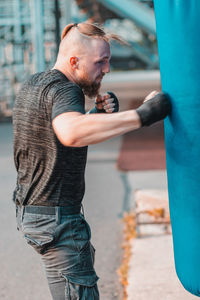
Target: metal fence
(30, 31)
(28, 42)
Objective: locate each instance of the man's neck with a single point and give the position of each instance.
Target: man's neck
(65, 72)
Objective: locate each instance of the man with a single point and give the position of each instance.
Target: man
(51, 135)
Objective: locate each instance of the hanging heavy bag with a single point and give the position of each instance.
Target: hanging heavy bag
(178, 34)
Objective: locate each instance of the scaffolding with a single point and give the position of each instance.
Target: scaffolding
(28, 42)
(30, 35)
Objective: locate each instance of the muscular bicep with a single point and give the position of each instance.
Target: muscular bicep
(63, 126)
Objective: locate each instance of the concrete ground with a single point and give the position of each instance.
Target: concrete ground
(152, 273)
(108, 194)
(21, 272)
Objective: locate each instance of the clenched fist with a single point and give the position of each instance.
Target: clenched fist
(107, 103)
(156, 107)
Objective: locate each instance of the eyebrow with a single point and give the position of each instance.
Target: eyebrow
(104, 57)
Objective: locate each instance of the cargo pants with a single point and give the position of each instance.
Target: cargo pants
(63, 242)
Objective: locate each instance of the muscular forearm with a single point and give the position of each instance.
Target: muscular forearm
(84, 130)
(77, 130)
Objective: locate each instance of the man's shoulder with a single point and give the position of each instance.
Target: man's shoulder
(43, 81)
(52, 84)
(45, 78)
(57, 82)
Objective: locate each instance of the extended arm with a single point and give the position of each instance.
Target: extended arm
(77, 130)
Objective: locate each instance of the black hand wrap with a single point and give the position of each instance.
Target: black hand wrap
(95, 110)
(154, 110)
(116, 102)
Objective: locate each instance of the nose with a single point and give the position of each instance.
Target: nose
(106, 68)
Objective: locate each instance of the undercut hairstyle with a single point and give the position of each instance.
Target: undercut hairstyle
(93, 31)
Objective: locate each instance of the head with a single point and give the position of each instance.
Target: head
(84, 55)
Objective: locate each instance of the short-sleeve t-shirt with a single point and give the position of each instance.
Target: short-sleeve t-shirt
(48, 173)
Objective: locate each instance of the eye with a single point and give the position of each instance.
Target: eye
(100, 62)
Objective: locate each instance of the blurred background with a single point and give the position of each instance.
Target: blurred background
(30, 34)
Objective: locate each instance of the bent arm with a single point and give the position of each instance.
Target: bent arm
(77, 130)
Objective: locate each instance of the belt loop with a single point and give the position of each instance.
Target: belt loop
(82, 210)
(22, 213)
(57, 215)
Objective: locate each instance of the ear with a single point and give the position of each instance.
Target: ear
(74, 62)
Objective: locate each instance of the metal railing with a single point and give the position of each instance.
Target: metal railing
(29, 30)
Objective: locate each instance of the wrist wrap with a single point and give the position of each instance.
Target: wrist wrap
(155, 109)
(95, 110)
(116, 101)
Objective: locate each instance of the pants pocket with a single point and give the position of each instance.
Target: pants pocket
(82, 286)
(92, 250)
(81, 233)
(38, 231)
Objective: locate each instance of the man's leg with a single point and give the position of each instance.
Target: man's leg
(70, 283)
(66, 251)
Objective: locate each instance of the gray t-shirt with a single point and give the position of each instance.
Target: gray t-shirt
(48, 173)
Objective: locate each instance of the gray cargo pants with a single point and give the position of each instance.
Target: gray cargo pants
(63, 241)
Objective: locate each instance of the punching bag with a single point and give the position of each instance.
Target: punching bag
(178, 34)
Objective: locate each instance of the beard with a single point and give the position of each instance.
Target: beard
(90, 89)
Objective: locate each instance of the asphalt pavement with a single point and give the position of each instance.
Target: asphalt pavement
(22, 275)
(108, 194)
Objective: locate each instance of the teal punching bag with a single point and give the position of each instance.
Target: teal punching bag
(178, 33)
